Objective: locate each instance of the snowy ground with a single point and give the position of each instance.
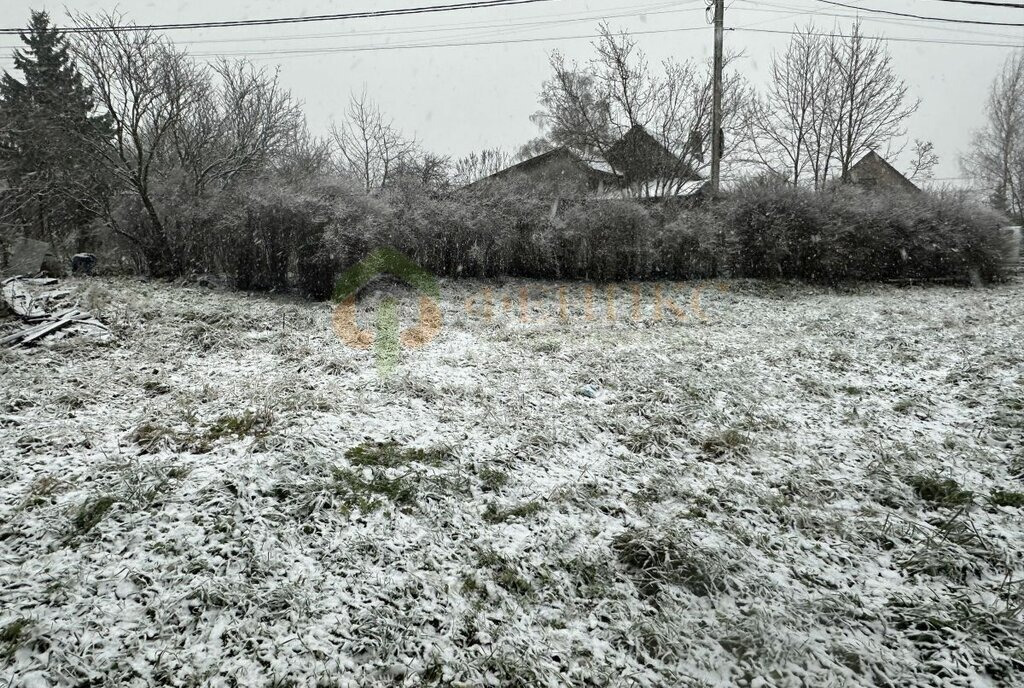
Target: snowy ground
(800, 487)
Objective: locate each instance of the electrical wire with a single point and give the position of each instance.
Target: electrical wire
(987, 3)
(788, 10)
(407, 46)
(502, 28)
(896, 39)
(277, 21)
(647, 10)
(298, 52)
(918, 16)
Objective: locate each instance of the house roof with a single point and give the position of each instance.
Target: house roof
(598, 168)
(872, 170)
(637, 157)
(660, 188)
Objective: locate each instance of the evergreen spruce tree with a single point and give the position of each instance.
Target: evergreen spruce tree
(47, 143)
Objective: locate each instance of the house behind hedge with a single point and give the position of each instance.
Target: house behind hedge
(873, 172)
(562, 171)
(638, 166)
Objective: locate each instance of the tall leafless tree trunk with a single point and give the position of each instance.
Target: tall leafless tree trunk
(872, 105)
(145, 86)
(997, 150)
(784, 130)
(831, 99)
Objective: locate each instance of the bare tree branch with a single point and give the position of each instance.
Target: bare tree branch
(369, 147)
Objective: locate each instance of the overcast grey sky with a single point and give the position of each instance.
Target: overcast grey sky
(462, 98)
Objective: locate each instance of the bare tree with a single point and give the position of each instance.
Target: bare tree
(590, 107)
(427, 170)
(923, 161)
(831, 99)
(997, 150)
(624, 78)
(239, 126)
(575, 112)
(478, 165)
(145, 87)
(871, 107)
(303, 155)
(369, 147)
(824, 129)
(784, 127)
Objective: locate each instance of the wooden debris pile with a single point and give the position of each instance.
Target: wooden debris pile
(40, 311)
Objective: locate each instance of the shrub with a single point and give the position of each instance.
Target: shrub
(778, 230)
(606, 240)
(500, 230)
(352, 227)
(695, 245)
(850, 234)
(274, 233)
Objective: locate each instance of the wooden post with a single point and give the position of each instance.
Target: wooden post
(716, 102)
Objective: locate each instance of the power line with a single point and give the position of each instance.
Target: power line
(790, 11)
(371, 14)
(407, 46)
(897, 39)
(918, 16)
(503, 27)
(300, 52)
(986, 3)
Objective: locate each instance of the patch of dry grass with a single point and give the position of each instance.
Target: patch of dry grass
(235, 497)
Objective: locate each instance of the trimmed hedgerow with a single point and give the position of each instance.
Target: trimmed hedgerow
(847, 234)
(759, 231)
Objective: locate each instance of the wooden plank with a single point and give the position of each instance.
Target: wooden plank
(49, 328)
(33, 333)
(13, 338)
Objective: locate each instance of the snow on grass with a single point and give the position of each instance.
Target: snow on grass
(803, 487)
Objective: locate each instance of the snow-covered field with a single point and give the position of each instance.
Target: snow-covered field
(789, 487)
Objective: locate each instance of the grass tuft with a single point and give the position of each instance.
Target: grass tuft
(1008, 498)
(729, 441)
(248, 423)
(657, 559)
(495, 514)
(939, 491)
(492, 479)
(90, 513)
(11, 635)
(391, 454)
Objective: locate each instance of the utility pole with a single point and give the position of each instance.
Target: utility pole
(716, 98)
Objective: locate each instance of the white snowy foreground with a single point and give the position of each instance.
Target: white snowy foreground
(803, 488)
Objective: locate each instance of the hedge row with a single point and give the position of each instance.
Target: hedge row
(758, 231)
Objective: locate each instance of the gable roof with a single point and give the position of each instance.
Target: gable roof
(639, 156)
(873, 171)
(658, 189)
(562, 153)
